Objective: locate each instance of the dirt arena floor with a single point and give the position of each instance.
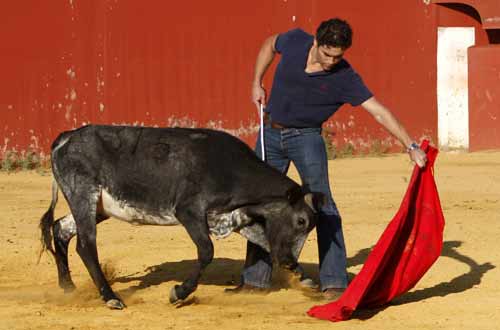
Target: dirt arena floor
(461, 290)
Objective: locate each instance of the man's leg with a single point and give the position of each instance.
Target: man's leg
(308, 153)
(258, 264)
(258, 267)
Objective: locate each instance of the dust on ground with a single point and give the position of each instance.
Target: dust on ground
(461, 291)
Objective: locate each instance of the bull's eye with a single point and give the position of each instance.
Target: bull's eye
(301, 222)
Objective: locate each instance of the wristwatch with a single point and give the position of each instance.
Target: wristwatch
(412, 146)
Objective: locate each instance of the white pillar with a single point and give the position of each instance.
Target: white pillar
(452, 86)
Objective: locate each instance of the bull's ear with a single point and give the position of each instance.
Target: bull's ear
(294, 194)
(253, 211)
(315, 200)
(222, 225)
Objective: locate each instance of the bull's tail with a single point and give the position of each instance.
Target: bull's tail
(46, 223)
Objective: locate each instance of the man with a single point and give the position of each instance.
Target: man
(311, 82)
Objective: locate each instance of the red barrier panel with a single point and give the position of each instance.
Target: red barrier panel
(190, 63)
(484, 97)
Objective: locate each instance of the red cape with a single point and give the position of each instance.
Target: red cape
(408, 247)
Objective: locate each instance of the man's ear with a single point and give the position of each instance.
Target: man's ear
(315, 200)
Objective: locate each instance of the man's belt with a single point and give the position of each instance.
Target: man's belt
(268, 121)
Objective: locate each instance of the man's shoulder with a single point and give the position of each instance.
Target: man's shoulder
(344, 67)
(292, 37)
(297, 33)
(351, 82)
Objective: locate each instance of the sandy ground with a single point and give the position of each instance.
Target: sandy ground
(461, 291)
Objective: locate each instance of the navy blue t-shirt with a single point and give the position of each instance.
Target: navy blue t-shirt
(301, 99)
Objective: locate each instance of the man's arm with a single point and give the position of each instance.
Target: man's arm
(264, 59)
(391, 124)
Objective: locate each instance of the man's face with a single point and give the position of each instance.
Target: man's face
(329, 56)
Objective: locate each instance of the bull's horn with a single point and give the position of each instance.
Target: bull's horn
(315, 200)
(308, 198)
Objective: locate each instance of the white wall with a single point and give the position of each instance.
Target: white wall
(452, 86)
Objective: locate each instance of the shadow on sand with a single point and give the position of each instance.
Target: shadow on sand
(226, 272)
(458, 284)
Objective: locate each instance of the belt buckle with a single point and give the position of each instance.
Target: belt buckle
(277, 126)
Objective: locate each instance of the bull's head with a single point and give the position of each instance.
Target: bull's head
(281, 225)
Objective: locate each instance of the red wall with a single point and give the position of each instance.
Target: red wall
(484, 97)
(394, 50)
(460, 15)
(484, 76)
(190, 63)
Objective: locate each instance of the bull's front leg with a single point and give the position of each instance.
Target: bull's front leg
(197, 229)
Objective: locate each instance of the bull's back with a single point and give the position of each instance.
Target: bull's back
(165, 165)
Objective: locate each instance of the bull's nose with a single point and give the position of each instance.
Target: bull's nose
(290, 265)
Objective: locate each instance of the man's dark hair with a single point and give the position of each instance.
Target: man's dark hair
(334, 33)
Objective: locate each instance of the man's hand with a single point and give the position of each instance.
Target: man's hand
(418, 156)
(264, 59)
(258, 96)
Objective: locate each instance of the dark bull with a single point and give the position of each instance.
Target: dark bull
(208, 181)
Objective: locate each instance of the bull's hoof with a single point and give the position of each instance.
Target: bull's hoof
(68, 287)
(173, 296)
(115, 304)
(178, 295)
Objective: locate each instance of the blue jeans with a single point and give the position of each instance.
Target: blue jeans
(306, 149)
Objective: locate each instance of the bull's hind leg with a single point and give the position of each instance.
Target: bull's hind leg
(197, 229)
(64, 230)
(83, 204)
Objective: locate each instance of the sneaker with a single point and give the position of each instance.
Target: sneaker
(308, 283)
(304, 280)
(246, 288)
(333, 293)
